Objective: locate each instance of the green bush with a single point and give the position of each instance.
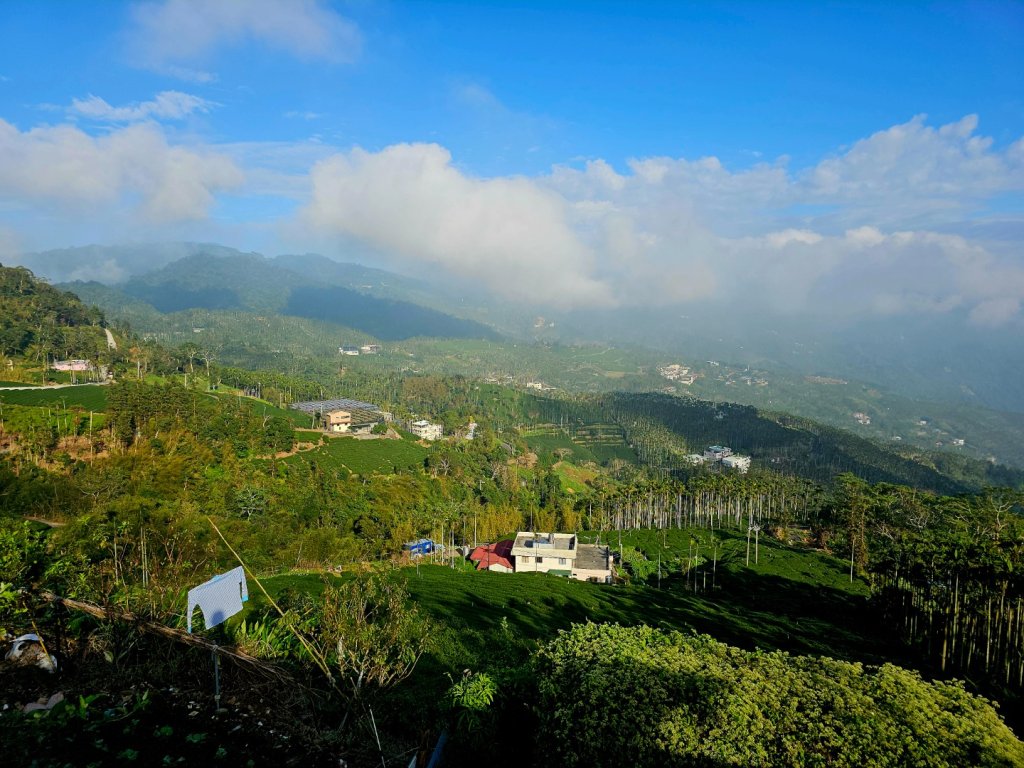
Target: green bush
(611, 695)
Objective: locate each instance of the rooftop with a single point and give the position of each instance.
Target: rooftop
(592, 557)
(487, 555)
(323, 406)
(543, 541)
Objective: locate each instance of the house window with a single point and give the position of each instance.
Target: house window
(540, 559)
(561, 561)
(525, 558)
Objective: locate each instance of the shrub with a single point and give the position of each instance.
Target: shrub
(611, 695)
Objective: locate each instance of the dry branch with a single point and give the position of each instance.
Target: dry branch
(177, 635)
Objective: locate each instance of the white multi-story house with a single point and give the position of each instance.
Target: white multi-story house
(424, 430)
(741, 463)
(561, 554)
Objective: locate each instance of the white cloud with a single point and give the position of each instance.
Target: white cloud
(169, 105)
(509, 233)
(865, 271)
(294, 114)
(131, 167)
(669, 230)
(996, 312)
(948, 162)
(168, 34)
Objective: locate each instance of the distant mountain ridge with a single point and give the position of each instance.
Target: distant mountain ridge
(320, 289)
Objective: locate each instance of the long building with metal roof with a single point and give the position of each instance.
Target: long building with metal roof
(324, 406)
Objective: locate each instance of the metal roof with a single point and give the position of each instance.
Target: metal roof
(323, 406)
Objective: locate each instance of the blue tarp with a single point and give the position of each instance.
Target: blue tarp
(420, 547)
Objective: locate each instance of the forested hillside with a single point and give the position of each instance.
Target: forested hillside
(115, 499)
(300, 308)
(252, 283)
(38, 319)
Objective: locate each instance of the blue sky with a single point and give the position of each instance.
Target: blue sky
(595, 146)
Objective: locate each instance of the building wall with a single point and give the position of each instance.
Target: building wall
(603, 576)
(529, 564)
(429, 432)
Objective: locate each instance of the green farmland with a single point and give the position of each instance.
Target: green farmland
(91, 397)
(364, 457)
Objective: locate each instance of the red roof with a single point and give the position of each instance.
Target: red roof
(487, 555)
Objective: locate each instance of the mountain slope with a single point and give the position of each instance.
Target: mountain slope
(254, 284)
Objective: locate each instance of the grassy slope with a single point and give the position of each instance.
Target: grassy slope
(299, 419)
(794, 599)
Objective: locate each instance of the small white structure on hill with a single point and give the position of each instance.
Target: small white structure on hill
(79, 366)
(424, 430)
(337, 421)
(740, 463)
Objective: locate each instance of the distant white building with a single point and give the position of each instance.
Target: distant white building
(79, 366)
(739, 463)
(356, 421)
(348, 349)
(338, 421)
(424, 430)
(717, 452)
(958, 441)
(862, 418)
(370, 349)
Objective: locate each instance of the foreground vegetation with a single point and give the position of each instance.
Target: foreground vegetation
(649, 698)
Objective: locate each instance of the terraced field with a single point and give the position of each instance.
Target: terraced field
(591, 442)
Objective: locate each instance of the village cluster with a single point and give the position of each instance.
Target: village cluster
(354, 417)
(722, 455)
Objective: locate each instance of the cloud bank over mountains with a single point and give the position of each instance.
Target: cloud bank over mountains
(881, 227)
(850, 235)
